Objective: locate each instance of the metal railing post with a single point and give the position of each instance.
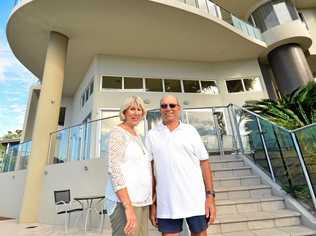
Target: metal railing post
(235, 145)
(265, 149)
(237, 129)
(306, 175)
(218, 134)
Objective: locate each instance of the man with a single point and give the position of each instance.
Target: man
(183, 178)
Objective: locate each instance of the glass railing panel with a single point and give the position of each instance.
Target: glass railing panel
(251, 139)
(203, 121)
(76, 140)
(60, 144)
(225, 130)
(106, 126)
(25, 152)
(226, 16)
(307, 142)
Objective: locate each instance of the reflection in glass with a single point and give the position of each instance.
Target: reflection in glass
(153, 85)
(234, 86)
(133, 83)
(209, 87)
(252, 84)
(191, 86)
(111, 82)
(173, 85)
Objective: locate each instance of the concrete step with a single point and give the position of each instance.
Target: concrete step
(276, 231)
(237, 181)
(227, 163)
(237, 206)
(231, 172)
(243, 192)
(225, 157)
(249, 221)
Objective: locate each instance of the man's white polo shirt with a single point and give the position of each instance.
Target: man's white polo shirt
(179, 181)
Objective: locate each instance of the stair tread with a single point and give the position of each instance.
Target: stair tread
(299, 230)
(238, 188)
(250, 216)
(230, 168)
(227, 160)
(236, 177)
(248, 200)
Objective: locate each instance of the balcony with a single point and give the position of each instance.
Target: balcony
(171, 30)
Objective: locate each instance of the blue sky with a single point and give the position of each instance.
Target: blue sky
(15, 79)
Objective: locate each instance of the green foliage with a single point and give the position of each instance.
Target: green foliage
(13, 135)
(292, 111)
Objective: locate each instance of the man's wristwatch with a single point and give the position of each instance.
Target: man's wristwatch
(210, 193)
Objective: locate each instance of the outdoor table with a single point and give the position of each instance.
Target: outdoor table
(88, 204)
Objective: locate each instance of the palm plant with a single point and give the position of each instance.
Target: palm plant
(291, 111)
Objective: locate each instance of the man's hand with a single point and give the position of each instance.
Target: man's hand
(210, 209)
(153, 214)
(131, 223)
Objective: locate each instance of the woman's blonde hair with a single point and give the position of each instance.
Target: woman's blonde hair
(132, 101)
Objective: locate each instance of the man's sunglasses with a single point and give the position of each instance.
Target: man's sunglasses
(170, 105)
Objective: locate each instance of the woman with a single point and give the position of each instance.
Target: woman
(129, 190)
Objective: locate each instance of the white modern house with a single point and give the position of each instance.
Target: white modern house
(89, 55)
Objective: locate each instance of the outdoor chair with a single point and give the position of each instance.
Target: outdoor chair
(102, 213)
(65, 206)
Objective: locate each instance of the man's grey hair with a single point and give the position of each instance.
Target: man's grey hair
(172, 96)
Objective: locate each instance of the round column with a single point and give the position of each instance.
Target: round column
(290, 67)
(46, 121)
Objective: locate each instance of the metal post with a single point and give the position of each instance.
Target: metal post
(219, 138)
(265, 149)
(306, 175)
(235, 146)
(237, 129)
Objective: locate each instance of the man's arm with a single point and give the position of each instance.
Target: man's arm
(210, 209)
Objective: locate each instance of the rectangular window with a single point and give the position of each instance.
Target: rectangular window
(133, 83)
(62, 115)
(252, 84)
(209, 87)
(91, 87)
(191, 86)
(153, 85)
(173, 85)
(111, 82)
(234, 86)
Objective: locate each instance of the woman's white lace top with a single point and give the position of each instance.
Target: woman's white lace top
(129, 167)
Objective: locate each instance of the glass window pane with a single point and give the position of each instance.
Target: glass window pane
(191, 86)
(133, 83)
(111, 82)
(282, 12)
(234, 86)
(252, 84)
(209, 87)
(153, 85)
(265, 17)
(172, 85)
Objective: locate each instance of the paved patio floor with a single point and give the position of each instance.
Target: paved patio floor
(11, 228)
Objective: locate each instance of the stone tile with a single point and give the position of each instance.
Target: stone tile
(249, 207)
(270, 232)
(234, 227)
(287, 221)
(261, 224)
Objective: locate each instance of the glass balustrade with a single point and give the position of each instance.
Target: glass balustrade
(219, 12)
(288, 157)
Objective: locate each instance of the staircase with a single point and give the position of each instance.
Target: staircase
(246, 206)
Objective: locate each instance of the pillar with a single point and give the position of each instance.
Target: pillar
(46, 121)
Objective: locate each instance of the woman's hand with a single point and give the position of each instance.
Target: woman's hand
(131, 222)
(153, 214)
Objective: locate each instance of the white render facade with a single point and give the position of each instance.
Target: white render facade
(185, 48)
